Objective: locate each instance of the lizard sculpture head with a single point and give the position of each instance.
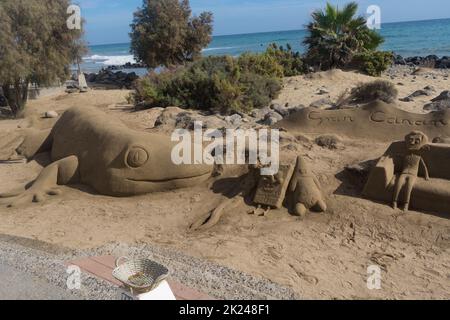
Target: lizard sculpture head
(144, 164)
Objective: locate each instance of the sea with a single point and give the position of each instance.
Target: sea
(416, 38)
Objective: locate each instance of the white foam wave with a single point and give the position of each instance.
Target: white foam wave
(218, 48)
(110, 60)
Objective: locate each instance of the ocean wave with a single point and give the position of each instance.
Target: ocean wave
(110, 60)
(218, 48)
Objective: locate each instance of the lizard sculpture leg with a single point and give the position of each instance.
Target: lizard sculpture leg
(58, 173)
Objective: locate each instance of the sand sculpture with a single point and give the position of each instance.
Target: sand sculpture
(245, 188)
(378, 120)
(305, 190)
(410, 168)
(91, 147)
(271, 192)
(413, 172)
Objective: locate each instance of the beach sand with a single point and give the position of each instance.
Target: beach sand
(322, 256)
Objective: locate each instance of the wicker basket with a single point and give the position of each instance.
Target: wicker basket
(140, 275)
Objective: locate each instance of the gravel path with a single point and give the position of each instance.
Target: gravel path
(36, 270)
(18, 285)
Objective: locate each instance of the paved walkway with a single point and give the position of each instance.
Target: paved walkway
(17, 285)
(103, 266)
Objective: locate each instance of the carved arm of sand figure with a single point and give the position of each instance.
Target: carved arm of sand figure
(93, 148)
(246, 186)
(425, 169)
(305, 190)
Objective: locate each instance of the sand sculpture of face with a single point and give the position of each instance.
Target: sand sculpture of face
(416, 140)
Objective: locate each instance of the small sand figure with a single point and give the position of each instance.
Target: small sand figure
(271, 190)
(306, 190)
(415, 141)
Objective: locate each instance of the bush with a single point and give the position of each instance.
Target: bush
(216, 83)
(376, 90)
(373, 63)
(261, 64)
(290, 61)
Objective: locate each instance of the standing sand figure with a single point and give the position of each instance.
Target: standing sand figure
(415, 141)
(305, 189)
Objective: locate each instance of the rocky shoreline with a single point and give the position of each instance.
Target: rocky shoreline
(431, 61)
(107, 77)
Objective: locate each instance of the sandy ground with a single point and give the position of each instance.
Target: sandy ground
(323, 256)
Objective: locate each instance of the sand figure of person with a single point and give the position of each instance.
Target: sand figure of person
(306, 190)
(412, 161)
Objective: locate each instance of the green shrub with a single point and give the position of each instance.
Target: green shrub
(261, 64)
(217, 83)
(373, 63)
(290, 61)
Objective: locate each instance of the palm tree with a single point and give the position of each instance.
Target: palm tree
(335, 36)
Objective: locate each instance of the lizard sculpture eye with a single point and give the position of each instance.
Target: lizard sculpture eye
(137, 157)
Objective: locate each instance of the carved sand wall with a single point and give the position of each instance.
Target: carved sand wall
(377, 120)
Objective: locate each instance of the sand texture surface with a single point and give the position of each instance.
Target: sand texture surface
(324, 255)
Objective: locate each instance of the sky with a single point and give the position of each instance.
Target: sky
(107, 21)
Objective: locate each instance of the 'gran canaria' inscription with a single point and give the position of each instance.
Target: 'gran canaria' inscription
(382, 117)
(315, 115)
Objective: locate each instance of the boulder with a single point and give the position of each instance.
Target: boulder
(272, 118)
(282, 110)
(445, 95)
(331, 142)
(441, 105)
(444, 63)
(324, 103)
(427, 91)
(295, 109)
(234, 120)
(260, 113)
(119, 79)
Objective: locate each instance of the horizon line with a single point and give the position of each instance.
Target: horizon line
(261, 32)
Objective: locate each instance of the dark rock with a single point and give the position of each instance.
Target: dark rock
(444, 63)
(91, 77)
(427, 91)
(431, 61)
(331, 142)
(407, 99)
(295, 109)
(398, 59)
(118, 79)
(234, 120)
(260, 113)
(272, 118)
(322, 103)
(437, 106)
(283, 111)
(445, 95)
